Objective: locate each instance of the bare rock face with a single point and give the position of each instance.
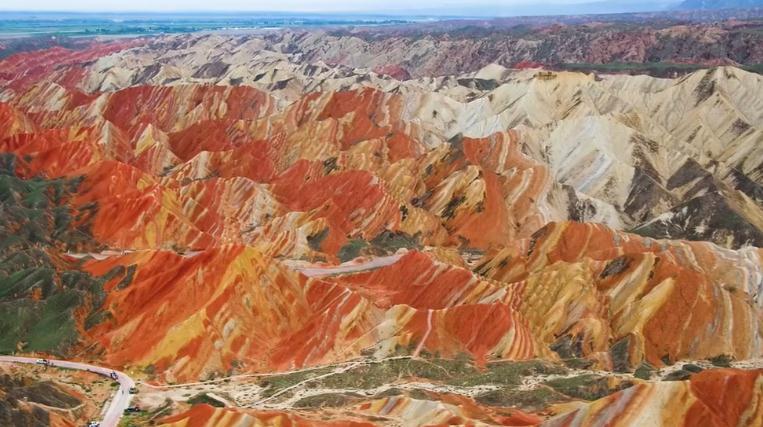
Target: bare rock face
(661, 47)
(388, 237)
(395, 71)
(720, 397)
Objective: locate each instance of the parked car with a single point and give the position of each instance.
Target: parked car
(132, 409)
(133, 390)
(93, 424)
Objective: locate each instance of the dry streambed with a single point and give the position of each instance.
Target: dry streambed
(530, 385)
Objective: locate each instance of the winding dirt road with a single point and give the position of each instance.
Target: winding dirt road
(355, 266)
(119, 402)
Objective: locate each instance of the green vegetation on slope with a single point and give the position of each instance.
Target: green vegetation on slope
(387, 242)
(39, 289)
(203, 398)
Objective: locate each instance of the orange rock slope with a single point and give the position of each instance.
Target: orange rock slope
(409, 411)
(332, 169)
(614, 303)
(713, 398)
(240, 305)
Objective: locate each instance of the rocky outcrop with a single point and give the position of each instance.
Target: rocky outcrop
(624, 299)
(713, 398)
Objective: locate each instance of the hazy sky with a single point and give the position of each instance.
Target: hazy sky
(274, 5)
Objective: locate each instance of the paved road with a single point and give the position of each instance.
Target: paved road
(119, 402)
(312, 270)
(306, 268)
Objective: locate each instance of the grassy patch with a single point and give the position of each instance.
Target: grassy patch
(721, 361)
(508, 373)
(391, 242)
(376, 374)
(203, 398)
(314, 241)
(146, 418)
(384, 243)
(327, 400)
(586, 387)
(277, 383)
(535, 399)
(352, 249)
(644, 371)
(136, 419)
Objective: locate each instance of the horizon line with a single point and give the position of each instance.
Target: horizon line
(664, 5)
(400, 14)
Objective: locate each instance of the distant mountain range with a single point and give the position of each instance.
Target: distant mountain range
(583, 8)
(720, 4)
(491, 9)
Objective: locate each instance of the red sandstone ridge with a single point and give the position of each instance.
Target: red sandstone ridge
(205, 415)
(629, 288)
(521, 65)
(394, 71)
(326, 321)
(57, 64)
(717, 398)
(452, 412)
